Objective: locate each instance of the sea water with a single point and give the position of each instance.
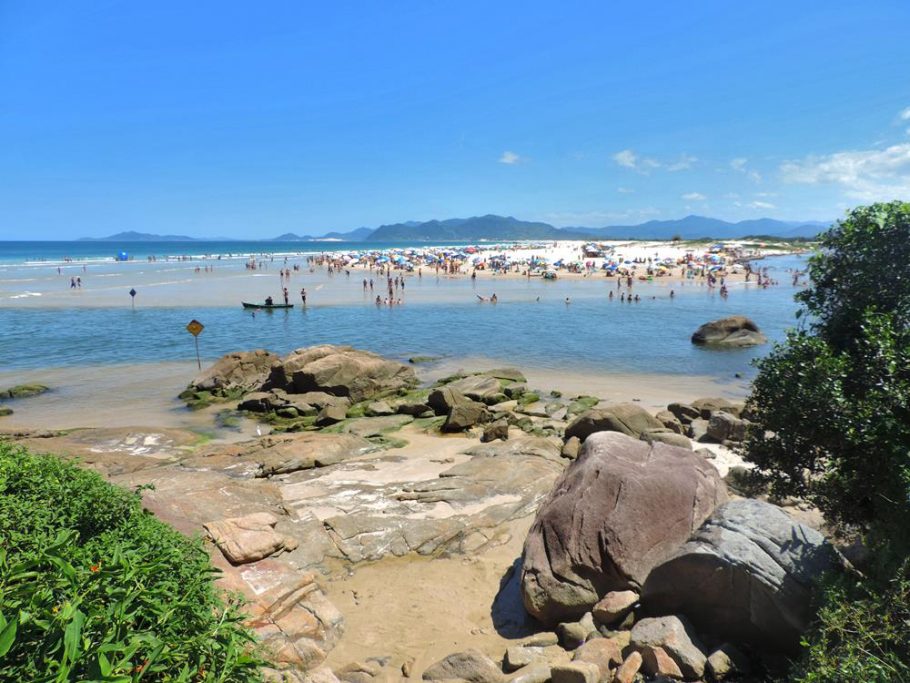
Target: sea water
(589, 334)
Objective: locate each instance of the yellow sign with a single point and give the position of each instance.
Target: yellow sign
(195, 327)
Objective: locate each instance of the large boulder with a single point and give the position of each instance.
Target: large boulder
(626, 418)
(746, 575)
(248, 538)
(736, 331)
(340, 371)
(677, 638)
(235, 373)
(621, 508)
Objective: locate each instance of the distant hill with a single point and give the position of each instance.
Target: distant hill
(696, 227)
(495, 228)
(133, 236)
(357, 235)
(488, 227)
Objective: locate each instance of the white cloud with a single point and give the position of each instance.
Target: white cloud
(684, 162)
(694, 197)
(625, 190)
(868, 175)
(762, 205)
(629, 159)
(626, 158)
(739, 165)
(905, 114)
(732, 195)
(510, 158)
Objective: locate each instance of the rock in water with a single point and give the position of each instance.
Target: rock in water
(623, 507)
(746, 574)
(737, 330)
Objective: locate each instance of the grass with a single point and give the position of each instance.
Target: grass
(92, 588)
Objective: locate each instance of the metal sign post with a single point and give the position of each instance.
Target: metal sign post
(194, 328)
(133, 296)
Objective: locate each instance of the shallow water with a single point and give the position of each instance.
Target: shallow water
(591, 333)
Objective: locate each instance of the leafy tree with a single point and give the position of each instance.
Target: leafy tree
(831, 407)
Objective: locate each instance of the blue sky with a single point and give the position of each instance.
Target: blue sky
(253, 119)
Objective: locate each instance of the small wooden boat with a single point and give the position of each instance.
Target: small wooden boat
(267, 307)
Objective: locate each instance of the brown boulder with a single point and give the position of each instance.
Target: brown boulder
(235, 373)
(736, 330)
(626, 418)
(340, 371)
(620, 509)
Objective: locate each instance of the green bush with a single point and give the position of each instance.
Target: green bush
(92, 588)
(862, 633)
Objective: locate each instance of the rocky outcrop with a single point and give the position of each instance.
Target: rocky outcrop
(626, 418)
(23, 391)
(623, 507)
(340, 371)
(281, 453)
(248, 538)
(746, 574)
(734, 331)
(235, 373)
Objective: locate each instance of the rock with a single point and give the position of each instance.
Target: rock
(376, 426)
(340, 371)
(605, 653)
(535, 446)
(670, 421)
(614, 606)
(23, 391)
(623, 507)
(4, 411)
(725, 427)
(734, 331)
(571, 448)
(478, 387)
(331, 415)
(248, 539)
(236, 373)
(515, 390)
(378, 408)
(572, 634)
(507, 374)
(465, 415)
(656, 662)
(627, 670)
(698, 429)
(442, 400)
(667, 437)
(683, 412)
(496, 430)
(520, 656)
(676, 637)
(747, 574)
(576, 672)
(535, 673)
(626, 418)
(470, 665)
(726, 661)
(706, 407)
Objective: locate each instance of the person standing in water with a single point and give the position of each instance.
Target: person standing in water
(303, 295)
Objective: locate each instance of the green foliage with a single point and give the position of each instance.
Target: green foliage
(832, 413)
(862, 633)
(863, 265)
(93, 588)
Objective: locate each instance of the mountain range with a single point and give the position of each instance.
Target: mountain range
(495, 228)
